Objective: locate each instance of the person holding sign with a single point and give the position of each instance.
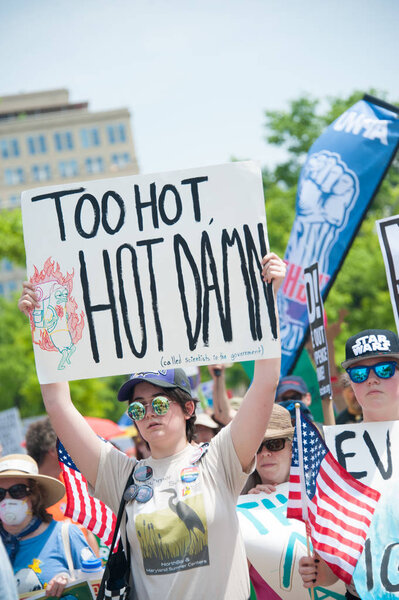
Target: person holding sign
(371, 361)
(182, 526)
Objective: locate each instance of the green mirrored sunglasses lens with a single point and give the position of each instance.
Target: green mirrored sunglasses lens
(160, 405)
(136, 411)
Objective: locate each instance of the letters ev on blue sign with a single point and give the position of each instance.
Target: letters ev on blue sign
(342, 173)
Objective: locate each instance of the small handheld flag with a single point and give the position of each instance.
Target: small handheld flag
(337, 507)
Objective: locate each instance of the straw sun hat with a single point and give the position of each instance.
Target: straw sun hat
(22, 466)
(279, 425)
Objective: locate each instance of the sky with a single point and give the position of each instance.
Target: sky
(198, 75)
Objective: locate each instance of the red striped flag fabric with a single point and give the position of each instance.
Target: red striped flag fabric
(81, 507)
(337, 507)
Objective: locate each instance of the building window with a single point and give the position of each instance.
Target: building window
(121, 160)
(9, 148)
(63, 141)
(14, 176)
(94, 165)
(90, 137)
(7, 265)
(37, 144)
(41, 172)
(68, 168)
(116, 133)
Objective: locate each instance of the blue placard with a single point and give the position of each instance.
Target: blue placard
(338, 181)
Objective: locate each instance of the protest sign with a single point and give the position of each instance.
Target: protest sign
(388, 235)
(318, 336)
(76, 591)
(370, 452)
(11, 431)
(274, 544)
(342, 173)
(149, 272)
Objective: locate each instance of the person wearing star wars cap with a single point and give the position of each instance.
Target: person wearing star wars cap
(182, 526)
(371, 361)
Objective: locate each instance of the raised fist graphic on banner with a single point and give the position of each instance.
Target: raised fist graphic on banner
(327, 191)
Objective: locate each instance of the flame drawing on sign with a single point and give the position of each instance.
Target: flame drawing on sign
(60, 327)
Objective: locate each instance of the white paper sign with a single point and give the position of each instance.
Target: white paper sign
(274, 544)
(149, 272)
(388, 235)
(370, 452)
(11, 432)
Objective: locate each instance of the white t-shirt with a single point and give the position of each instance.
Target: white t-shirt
(185, 541)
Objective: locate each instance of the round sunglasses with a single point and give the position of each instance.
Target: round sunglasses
(272, 445)
(16, 491)
(160, 406)
(383, 370)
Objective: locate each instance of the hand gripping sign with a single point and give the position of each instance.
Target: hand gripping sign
(149, 272)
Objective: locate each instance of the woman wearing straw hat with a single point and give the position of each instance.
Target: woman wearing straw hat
(34, 542)
(273, 462)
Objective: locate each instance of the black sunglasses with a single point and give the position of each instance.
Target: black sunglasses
(272, 445)
(141, 493)
(16, 491)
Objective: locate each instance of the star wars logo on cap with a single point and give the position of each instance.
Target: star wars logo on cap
(371, 343)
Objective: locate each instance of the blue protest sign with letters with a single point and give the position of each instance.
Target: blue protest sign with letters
(342, 173)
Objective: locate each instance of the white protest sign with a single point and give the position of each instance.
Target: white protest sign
(274, 544)
(370, 452)
(388, 235)
(11, 433)
(149, 272)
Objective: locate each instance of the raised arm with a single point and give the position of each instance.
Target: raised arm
(222, 411)
(249, 424)
(70, 426)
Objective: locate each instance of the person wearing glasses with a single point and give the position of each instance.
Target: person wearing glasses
(371, 361)
(33, 541)
(273, 462)
(182, 527)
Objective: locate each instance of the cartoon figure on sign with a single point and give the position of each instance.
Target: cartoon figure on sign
(56, 327)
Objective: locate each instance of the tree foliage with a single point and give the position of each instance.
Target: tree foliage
(361, 286)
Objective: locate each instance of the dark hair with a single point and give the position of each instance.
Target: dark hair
(182, 398)
(40, 438)
(37, 500)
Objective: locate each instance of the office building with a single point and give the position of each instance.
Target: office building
(45, 139)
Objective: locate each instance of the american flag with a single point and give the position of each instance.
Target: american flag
(81, 507)
(339, 507)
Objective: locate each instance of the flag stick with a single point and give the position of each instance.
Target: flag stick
(302, 479)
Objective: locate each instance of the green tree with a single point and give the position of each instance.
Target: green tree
(361, 285)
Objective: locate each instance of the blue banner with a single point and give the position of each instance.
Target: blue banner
(342, 173)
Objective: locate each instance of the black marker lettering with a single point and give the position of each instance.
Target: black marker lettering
(124, 306)
(78, 216)
(341, 455)
(104, 209)
(56, 196)
(90, 309)
(180, 243)
(140, 205)
(178, 203)
(385, 473)
(193, 182)
(386, 582)
(153, 287)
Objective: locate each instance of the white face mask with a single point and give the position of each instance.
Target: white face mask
(13, 512)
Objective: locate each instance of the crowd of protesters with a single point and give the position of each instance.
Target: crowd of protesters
(174, 436)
